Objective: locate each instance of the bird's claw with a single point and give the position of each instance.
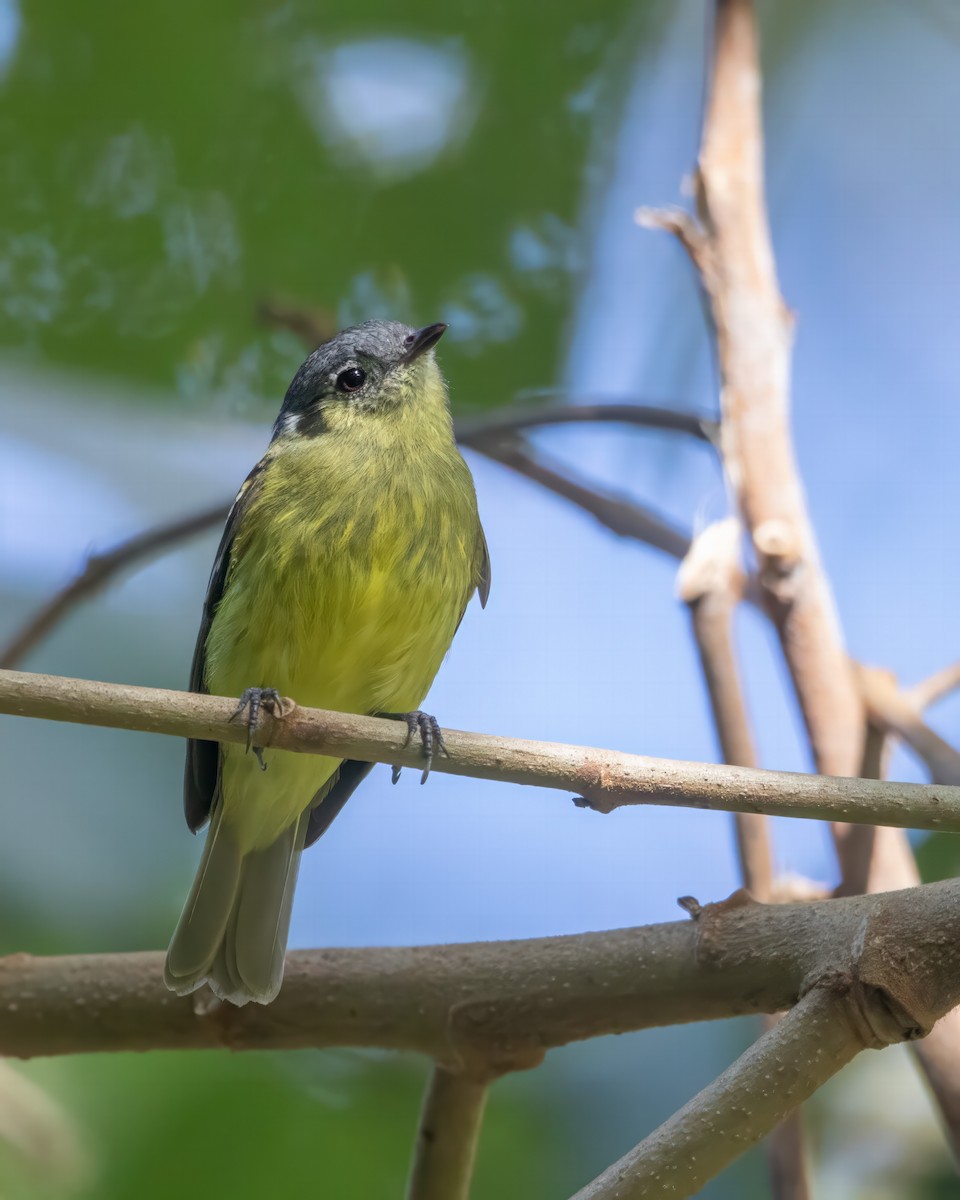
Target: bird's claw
(252, 700)
(431, 739)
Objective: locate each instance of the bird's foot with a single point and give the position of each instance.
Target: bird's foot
(427, 728)
(251, 701)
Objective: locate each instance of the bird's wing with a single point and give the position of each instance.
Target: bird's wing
(482, 560)
(334, 794)
(203, 758)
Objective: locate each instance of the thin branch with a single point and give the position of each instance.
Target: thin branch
(643, 416)
(447, 1137)
(619, 515)
(781, 1070)
(100, 569)
(931, 691)
(894, 712)
(602, 779)
(710, 582)
(488, 1007)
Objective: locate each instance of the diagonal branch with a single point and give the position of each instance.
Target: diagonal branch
(931, 691)
(642, 416)
(615, 513)
(447, 1137)
(101, 569)
(754, 334)
(740, 1108)
(710, 582)
(603, 779)
(895, 712)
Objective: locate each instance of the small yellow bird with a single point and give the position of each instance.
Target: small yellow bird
(347, 561)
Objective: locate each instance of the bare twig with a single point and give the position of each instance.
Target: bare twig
(786, 1066)
(100, 569)
(447, 1137)
(615, 513)
(754, 335)
(492, 1006)
(896, 713)
(643, 416)
(710, 583)
(931, 691)
(603, 779)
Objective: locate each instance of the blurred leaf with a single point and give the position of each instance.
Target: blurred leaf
(425, 162)
(938, 856)
(213, 1124)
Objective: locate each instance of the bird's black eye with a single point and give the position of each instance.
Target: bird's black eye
(351, 379)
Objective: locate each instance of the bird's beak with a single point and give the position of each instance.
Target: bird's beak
(423, 340)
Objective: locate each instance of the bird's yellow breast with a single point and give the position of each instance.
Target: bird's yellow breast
(348, 576)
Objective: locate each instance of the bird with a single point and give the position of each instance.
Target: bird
(346, 564)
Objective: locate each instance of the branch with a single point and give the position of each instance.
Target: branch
(731, 249)
(894, 712)
(615, 513)
(931, 691)
(100, 569)
(447, 1138)
(710, 582)
(754, 336)
(643, 416)
(603, 779)
(740, 1108)
(487, 1007)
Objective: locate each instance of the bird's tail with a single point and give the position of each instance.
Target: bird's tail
(232, 933)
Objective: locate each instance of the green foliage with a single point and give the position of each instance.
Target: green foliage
(255, 1125)
(164, 167)
(938, 856)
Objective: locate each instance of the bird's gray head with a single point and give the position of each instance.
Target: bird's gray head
(368, 368)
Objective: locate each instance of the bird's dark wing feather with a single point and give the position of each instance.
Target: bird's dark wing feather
(202, 772)
(483, 554)
(333, 796)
